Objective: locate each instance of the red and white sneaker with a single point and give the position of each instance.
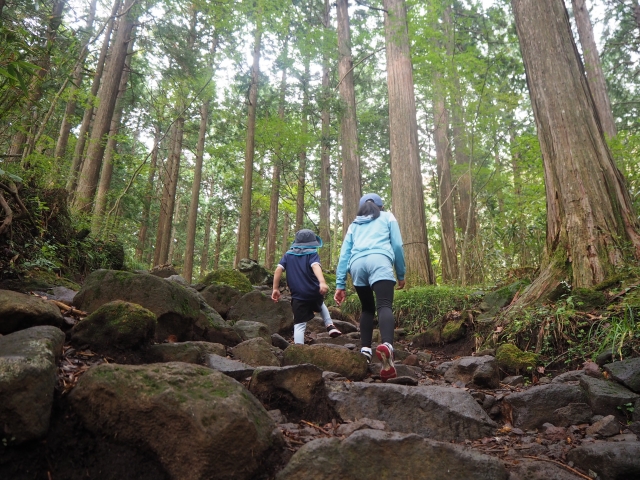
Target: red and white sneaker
(385, 353)
(333, 331)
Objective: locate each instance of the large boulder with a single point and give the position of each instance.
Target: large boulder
(538, 405)
(374, 455)
(188, 352)
(627, 372)
(27, 382)
(332, 358)
(480, 371)
(256, 273)
(176, 309)
(529, 469)
(248, 330)
(221, 297)
(117, 324)
(440, 413)
(257, 307)
(199, 423)
(608, 398)
(19, 311)
(232, 368)
(610, 460)
(256, 352)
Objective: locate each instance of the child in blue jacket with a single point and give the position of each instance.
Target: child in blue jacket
(306, 283)
(371, 250)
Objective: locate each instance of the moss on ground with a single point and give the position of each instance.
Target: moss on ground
(233, 278)
(511, 358)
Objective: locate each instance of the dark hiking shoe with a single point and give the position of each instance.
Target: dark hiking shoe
(333, 331)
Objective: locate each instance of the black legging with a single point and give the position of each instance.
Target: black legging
(383, 300)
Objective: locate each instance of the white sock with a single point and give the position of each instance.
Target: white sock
(298, 332)
(326, 318)
(366, 349)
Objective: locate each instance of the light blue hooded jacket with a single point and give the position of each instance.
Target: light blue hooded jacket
(366, 236)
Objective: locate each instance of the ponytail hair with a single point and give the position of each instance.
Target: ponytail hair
(369, 208)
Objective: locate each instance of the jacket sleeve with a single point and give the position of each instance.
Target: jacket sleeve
(398, 251)
(343, 262)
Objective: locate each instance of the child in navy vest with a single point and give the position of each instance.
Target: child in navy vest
(306, 283)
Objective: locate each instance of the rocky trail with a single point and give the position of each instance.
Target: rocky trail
(163, 380)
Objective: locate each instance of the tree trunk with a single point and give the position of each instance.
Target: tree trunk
(589, 212)
(148, 197)
(635, 7)
(325, 161)
(110, 150)
(448, 254)
(65, 127)
(351, 179)
(174, 253)
(187, 271)
(593, 67)
(204, 256)
(88, 180)
(244, 229)
(285, 234)
(216, 257)
(78, 153)
(163, 214)
(302, 157)
(406, 175)
(256, 237)
(274, 199)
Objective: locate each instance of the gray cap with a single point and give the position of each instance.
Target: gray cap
(306, 238)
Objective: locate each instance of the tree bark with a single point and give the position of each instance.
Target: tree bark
(163, 215)
(406, 175)
(78, 153)
(325, 161)
(244, 229)
(216, 258)
(285, 234)
(302, 157)
(65, 126)
(174, 253)
(148, 197)
(107, 96)
(204, 256)
(448, 254)
(256, 237)
(593, 67)
(351, 177)
(589, 212)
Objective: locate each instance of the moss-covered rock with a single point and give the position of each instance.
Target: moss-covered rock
(221, 297)
(511, 358)
(453, 330)
(19, 311)
(188, 352)
(585, 298)
(233, 278)
(258, 307)
(256, 273)
(117, 324)
(330, 358)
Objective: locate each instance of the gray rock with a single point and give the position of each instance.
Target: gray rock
(366, 455)
(257, 307)
(256, 352)
(332, 358)
(527, 469)
(347, 429)
(256, 273)
(302, 383)
(345, 327)
(443, 367)
(19, 311)
(610, 460)
(163, 271)
(606, 427)
(198, 423)
(63, 294)
(572, 376)
(535, 406)
(623, 437)
(232, 368)
(627, 372)
(574, 414)
(604, 357)
(403, 380)
(277, 416)
(221, 298)
(248, 330)
(27, 382)
(424, 357)
(441, 413)
(634, 427)
(479, 371)
(188, 352)
(279, 341)
(605, 396)
(341, 340)
(514, 380)
(402, 370)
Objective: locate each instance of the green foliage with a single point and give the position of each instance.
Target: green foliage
(511, 358)
(233, 278)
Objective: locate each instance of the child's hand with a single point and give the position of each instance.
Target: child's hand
(324, 288)
(339, 296)
(275, 295)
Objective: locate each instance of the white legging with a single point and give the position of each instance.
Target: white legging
(299, 328)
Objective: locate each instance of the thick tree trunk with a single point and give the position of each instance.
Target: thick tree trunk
(244, 229)
(216, 257)
(78, 154)
(285, 234)
(148, 197)
(325, 161)
(174, 255)
(406, 175)
(204, 256)
(110, 150)
(448, 254)
(65, 126)
(165, 175)
(593, 67)
(302, 157)
(351, 179)
(256, 237)
(589, 212)
(187, 271)
(88, 181)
